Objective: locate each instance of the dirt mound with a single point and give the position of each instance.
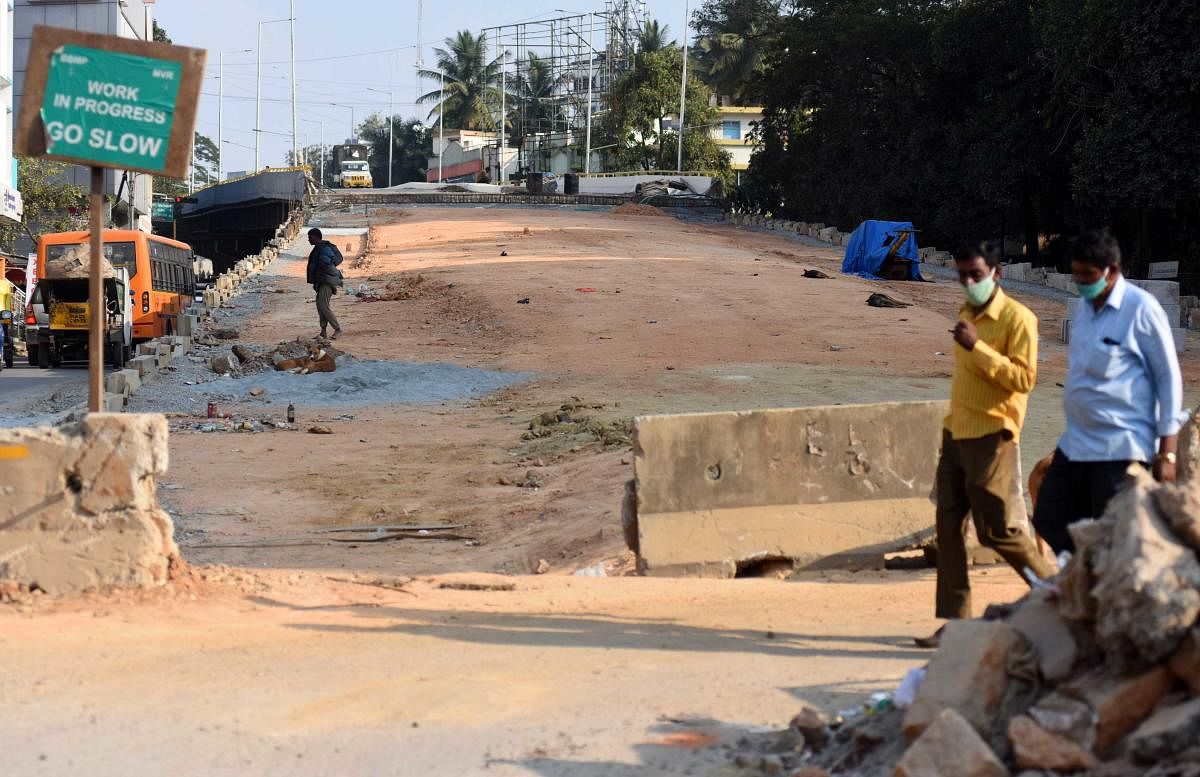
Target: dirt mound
(572, 419)
(408, 287)
(634, 209)
(252, 360)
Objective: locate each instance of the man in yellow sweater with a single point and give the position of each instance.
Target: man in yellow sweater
(995, 368)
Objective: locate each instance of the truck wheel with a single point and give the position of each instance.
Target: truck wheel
(43, 356)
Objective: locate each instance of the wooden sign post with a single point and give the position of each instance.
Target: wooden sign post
(108, 102)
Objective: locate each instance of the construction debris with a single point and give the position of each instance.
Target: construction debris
(1050, 686)
(572, 419)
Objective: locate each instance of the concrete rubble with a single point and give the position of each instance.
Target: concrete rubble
(1097, 673)
(79, 508)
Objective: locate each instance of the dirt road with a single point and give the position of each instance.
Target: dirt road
(314, 665)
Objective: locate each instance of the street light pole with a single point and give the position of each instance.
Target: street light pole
(683, 86)
(321, 123)
(258, 93)
(587, 151)
(292, 25)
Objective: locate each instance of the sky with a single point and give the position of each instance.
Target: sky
(343, 50)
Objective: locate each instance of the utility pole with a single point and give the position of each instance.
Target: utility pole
(441, 120)
(683, 85)
(503, 113)
(258, 93)
(391, 130)
(292, 25)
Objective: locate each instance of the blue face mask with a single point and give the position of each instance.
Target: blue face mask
(1092, 290)
(980, 292)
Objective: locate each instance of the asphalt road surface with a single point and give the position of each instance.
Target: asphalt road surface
(22, 385)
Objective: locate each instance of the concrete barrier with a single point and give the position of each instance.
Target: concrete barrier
(79, 508)
(146, 365)
(716, 493)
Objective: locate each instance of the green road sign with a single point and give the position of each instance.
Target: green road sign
(109, 108)
(162, 210)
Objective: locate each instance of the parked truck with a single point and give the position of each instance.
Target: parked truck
(63, 293)
(350, 167)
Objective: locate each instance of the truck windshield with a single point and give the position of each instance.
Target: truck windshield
(118, 254)
(355, 167)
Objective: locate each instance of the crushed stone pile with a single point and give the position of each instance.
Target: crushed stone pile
(1096, 672)
(250, 360)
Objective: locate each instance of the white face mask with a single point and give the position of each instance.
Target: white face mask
(980, 292)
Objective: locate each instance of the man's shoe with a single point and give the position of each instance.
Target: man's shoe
(932, 642)
(336, 334)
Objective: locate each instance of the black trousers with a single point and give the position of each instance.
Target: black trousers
(1072, 491)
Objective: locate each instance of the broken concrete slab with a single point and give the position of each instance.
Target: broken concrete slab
(1148, 584)
(1068, 717)
(1180, 506)
(949, 745)
(1035, 748)
(1039, 621)
(1119, 703)
(1185, 662)
(969, 674)
(1166, 732)
(80, 509)
(720, 491)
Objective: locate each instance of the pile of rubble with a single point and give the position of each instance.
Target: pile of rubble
(1096, 672)
(302, 355)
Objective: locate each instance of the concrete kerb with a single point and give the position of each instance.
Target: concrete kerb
(1179, 309)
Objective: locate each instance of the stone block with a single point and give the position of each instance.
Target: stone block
(1067, 717)
(1194, 319)
(114, 383)
(148, 348)
(719, 491)
(113, 402)
(1148, 589)
(1174, 313)
(80, 509)
(1035, 748)
(1039, 621)
(969, 674)
(1166, 292)
(950, 746)
(1120, 704)
(133, 380)
(1180, 336)
(1168, 731)
(146, 365)
(826, 234)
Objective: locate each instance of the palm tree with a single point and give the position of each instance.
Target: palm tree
(728, 61)
(652, 37)
(472, 83)
(536, 103)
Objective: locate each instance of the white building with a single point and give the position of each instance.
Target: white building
(466, 155)
(733, 134)
(124, 18)
(10, 198)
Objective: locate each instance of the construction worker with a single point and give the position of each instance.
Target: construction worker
(995, 368)
(1123, 398)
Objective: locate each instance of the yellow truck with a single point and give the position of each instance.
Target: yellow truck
(64, 293)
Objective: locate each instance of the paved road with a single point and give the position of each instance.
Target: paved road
(22, 386)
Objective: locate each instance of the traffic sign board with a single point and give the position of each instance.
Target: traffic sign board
(164, 211)
(105, 101)
(109, 108)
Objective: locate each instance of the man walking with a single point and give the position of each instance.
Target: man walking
(325, 278)
(1123, 398)
(995, 368)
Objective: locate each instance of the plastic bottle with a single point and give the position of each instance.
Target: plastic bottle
(291, 413)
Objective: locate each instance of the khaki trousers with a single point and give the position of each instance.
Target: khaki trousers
(325, 307)
(977, 476)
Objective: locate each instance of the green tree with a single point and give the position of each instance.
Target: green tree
(160, 35)
(639, 104)
(471, 83)
(733, 37)
(535, 98)
(51, 204)
(206, 158)
(412, 147)
(653, 37)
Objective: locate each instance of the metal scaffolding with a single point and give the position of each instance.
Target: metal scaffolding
(557, 73)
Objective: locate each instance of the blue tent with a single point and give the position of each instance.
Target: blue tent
(875, 241)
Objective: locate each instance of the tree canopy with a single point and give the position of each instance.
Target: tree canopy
(471, 83)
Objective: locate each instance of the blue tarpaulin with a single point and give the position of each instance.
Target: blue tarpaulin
(874, 241)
